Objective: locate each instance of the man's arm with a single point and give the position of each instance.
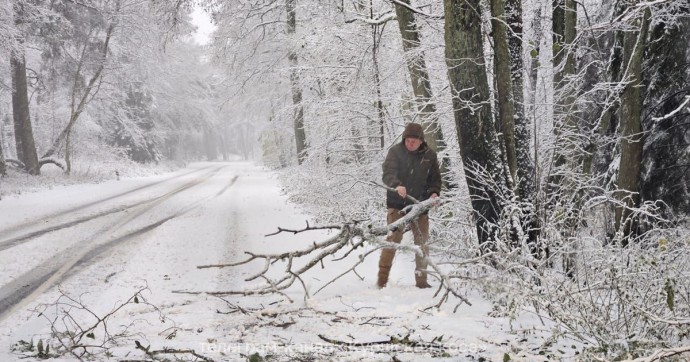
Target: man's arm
(390, 170)
(434, 178)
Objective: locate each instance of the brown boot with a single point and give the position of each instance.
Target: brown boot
(385, 263)
(423, 284)
(420, 279)
(383, 277)
(421, 235)
(420, 272)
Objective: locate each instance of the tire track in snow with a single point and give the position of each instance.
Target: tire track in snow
(6, 244)
(33, 283)
(19, 227)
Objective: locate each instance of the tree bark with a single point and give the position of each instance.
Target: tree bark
(472, 112)
(564, 33)
(504, 87)
(23, 132)
(631, 129)
(3, 165)
(525, 182)
(298, 113)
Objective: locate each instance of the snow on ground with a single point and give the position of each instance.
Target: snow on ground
(212, 213)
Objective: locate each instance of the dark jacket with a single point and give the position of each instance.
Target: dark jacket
(418, 171)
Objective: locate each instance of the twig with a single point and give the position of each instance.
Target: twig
(171, 351)
(661, 354)
(308, 228)
(393, 341)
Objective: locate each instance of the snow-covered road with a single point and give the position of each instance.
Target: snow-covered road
(100, 241)
(54, 243)
(100, 244)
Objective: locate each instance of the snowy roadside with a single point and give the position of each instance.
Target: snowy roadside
(230, 220)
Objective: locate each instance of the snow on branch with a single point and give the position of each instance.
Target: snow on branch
(379, 20)
(16, 163)
(661, 354)
(416, 10)
(674, 112)
(308, 228)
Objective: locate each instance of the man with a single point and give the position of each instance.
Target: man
(411, 168)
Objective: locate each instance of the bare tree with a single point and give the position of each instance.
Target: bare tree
(419, 77)
(298, 112)
(82, 94)
(565, 128)
(526, 178)
(23, 131)
(504, 86)
(3, 165)
(631, 129)
(472, 111)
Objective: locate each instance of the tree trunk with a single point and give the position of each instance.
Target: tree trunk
(504, 87)
(525, 183)
(377, 83)
(602, 150)
(23, 132)
(298, 113)
(419, 77)
(564, 22)
(631, 130)
(210, 144)
(88, 93)
(3, 165)
(84, 98)
(474, 124)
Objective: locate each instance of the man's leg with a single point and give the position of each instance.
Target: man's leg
(420, 229)
(387, 254)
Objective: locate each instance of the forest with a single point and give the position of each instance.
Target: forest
(563, 128)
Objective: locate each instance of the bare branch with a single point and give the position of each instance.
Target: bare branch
(170, 351)
(416, 10)
(308, 228)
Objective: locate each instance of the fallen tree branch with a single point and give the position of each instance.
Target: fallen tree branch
(405, 342)
(661, 354)
(16, 163)
(351, 236)
(170, 351)
(53, 161)
(353, 344)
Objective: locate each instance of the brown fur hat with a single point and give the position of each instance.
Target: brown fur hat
(413, 130)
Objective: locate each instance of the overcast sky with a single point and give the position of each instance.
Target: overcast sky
(203, 23)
